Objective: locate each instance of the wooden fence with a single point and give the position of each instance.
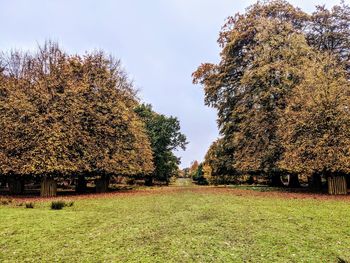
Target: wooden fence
(48, 188)
(337, 185)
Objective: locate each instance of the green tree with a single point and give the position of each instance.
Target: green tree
(165, 137)
(199, 176)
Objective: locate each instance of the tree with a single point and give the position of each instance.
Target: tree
(274, 72)
(165, 137)
(199, 176)
(329, 31)
(316, 122)
(218, 165)
(64, 115)
(262, 52)
(193, 168)
(33, 140)
(119, 137)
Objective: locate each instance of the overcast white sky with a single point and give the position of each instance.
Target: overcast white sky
(161, 42)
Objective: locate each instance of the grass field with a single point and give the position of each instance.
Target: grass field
(179, 224)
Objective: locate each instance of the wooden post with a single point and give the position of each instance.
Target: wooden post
(48, 187)
(337, 185)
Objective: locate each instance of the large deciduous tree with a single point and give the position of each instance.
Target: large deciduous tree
(264, 57)
(262, 50)
(66, 115)
(279, 56)
(315, 125)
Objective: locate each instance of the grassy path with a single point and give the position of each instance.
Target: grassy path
(179, 224)
(183, 182)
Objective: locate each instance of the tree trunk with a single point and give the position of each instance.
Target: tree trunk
(293, 181)
(102, 184)
(3, 181)
(48, 187)
(276, 180)
(16, 185)
(81, 186)
(315, 182)
(149, 181)
(251, 180)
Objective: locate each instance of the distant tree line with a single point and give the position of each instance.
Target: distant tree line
(71, 116)
(282, 93)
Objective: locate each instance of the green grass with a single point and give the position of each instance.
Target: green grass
(183, 182)
(258, 188)
(183, 226)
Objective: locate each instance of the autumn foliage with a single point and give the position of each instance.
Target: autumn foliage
(66, 115)
(281, 90)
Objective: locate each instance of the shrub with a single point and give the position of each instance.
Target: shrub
(202, 181)
(57, 205)
(30, 205)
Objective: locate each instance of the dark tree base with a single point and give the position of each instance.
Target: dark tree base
(315, 183)
(149, 181)
(102, 185)
(276, 181)
(16, 185)
(293, 181)
(81, 186)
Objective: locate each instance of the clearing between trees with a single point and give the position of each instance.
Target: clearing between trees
(179, 224)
